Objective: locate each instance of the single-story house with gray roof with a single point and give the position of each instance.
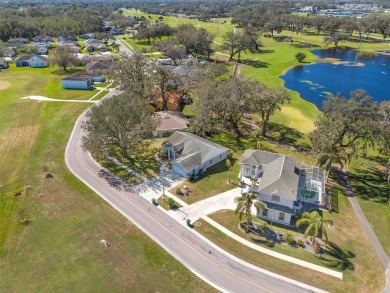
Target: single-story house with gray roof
(79, 80)
(34, 61)
(191, 155)
(98, 67)
(169, 122)
(283, 185)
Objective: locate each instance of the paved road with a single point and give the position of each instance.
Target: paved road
(203, 259)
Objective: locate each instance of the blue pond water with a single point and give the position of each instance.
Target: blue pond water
(313, 82)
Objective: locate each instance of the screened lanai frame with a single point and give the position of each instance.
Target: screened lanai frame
(311, 183)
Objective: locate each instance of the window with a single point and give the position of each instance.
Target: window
(281, 216)
(253, 172)
(220, 156)
(265, 213)
(276, 198)
(211, 161)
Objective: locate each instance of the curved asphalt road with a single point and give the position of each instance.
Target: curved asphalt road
(213, 266)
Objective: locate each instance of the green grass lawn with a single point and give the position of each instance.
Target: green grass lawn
(368, 179)
(164, 205)
(369, 276)
(229, 220)
(60, 250)
(100, 95)
(212, 182)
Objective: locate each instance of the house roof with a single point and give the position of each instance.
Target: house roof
(78, 76)
(278, 207)
(255, 157)
(170, 120)
(195, 150)
(25, 58)
(18, 40)
(280, 176)
(97, 65)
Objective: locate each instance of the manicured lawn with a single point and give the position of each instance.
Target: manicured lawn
(347, 235)
(60, 249)
(212, 182)
(368, 178)
(100, 95)
(228, 219)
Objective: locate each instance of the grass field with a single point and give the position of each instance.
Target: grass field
(58, 248)
(367, 275)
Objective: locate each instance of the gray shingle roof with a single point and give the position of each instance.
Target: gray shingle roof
(24, 58)
(80, 76)
(254, 157)
(191, 145)
(280, 174)
(190, 162)
(97, 65)
(278, 207)
(170, 120)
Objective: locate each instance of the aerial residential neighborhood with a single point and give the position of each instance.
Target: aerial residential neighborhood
(194, 146)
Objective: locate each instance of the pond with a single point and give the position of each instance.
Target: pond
(340, 74)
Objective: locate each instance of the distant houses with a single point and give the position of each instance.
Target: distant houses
(98, 67)
(34, 61)
(3, 63)
(67, 37)
(43, 38)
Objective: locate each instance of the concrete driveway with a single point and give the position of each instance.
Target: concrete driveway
(222, 201)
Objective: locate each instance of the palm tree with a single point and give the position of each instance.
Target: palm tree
(256, 136)
(314, 223)
(329, 158)
(245, 202)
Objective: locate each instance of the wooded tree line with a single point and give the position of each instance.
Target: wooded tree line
(270, 22)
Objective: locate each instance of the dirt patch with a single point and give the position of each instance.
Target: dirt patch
(18, 137)
(4, 84)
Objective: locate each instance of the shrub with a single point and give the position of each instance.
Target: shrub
(367, 54)
(301, 243)
(300, 56)
(170, 202)
(288, 238)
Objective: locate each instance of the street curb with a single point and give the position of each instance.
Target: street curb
(251, 266)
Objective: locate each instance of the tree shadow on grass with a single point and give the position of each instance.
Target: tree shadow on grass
(69, 71)
(257, 63)
(287, 135)
(263, 242)
(370, 183)
(338, 258)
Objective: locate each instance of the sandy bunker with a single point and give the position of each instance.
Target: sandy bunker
(4, 84)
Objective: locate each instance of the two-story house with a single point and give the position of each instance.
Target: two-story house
(283, 185)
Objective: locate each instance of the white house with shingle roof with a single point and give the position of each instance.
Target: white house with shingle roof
(281, 184)
(191, 155)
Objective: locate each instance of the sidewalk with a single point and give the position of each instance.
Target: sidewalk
(154, 189)
(226, 200)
